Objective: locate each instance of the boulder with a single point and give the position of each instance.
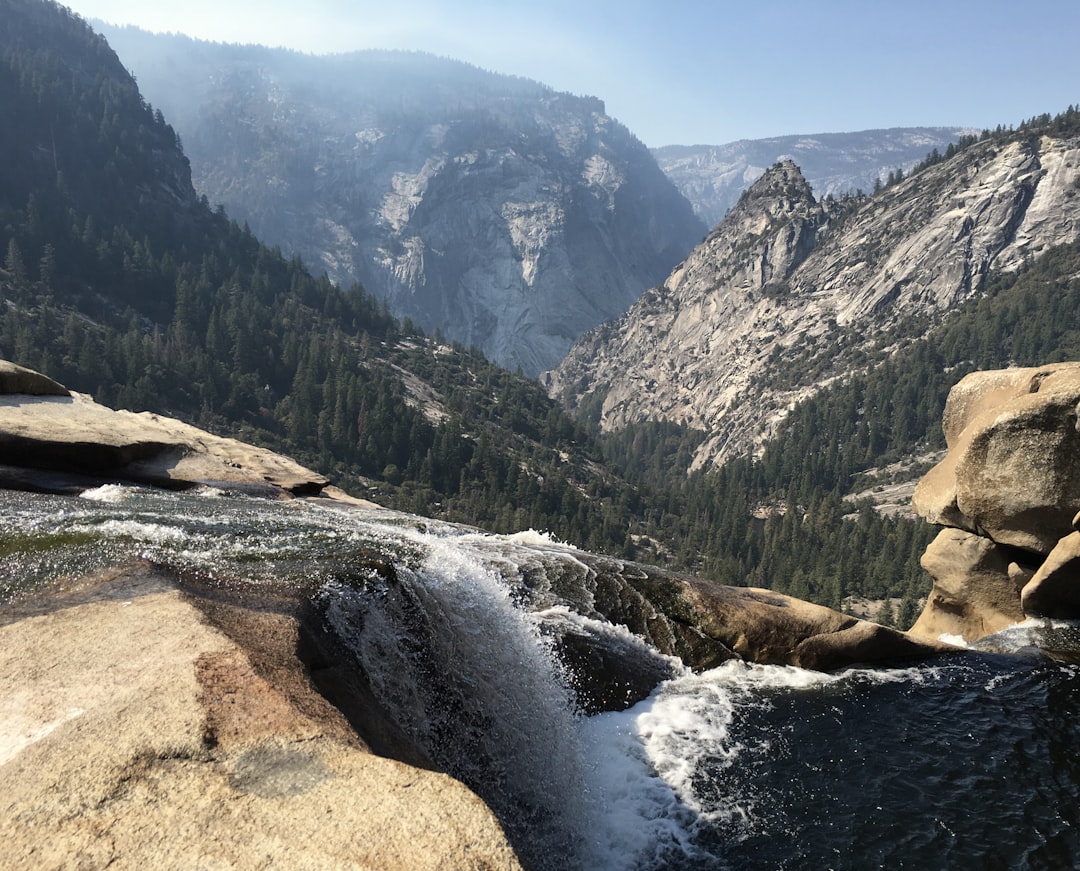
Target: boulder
(64, 443)
(770, 628)
(1054, 591)
(17, 379)
(975, 590)
(704, 623)
(1012, 472)
(135, 733)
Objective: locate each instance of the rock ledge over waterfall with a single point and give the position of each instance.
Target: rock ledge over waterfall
(135, 731)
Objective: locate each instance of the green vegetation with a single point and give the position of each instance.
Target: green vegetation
(120, 282)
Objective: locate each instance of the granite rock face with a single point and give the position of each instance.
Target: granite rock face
(1012, 472)
(55, 441)
(133, 733)
(495, 210)
(1009, 490)
(787, 292)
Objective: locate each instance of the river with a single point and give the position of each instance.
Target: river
(967, 761)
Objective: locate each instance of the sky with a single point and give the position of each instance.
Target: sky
(697, 72)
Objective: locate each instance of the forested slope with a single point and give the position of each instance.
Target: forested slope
(119, 281)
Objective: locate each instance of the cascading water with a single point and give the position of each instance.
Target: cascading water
(475, 645)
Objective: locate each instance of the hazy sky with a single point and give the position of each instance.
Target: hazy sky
(699, 72)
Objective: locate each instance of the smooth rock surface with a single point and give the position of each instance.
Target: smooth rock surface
(70, 434)
(135, 735)
(19, 379)
(770, 628)
(1012, 472)
(975, 590)
(1054, 591)
(704, 623)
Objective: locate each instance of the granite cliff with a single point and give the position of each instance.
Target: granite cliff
(789, 293)
(502, 213)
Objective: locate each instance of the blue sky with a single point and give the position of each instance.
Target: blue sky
(695, 72)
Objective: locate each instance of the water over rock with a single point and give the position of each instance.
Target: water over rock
(139, 730)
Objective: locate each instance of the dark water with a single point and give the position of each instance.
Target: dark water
(964, 762)
(969, 763)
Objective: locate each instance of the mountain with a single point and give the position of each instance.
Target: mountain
(499, 212)
(713, 176)
(118, 279)
(789, 294)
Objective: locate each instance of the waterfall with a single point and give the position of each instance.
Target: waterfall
(473, 680)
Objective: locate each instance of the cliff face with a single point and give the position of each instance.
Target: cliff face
(500, 212)
(713, 176)
(788, 293)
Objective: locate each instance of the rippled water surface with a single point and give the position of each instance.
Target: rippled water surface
(968, 761)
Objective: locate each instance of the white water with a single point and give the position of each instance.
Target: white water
(460, 649)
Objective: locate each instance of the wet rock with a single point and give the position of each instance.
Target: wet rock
(766, 627)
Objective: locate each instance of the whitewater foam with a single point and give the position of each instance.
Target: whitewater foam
(110, 493)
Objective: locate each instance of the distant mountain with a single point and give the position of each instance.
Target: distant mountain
(713, 176)
(490, 208)
(790, 293)
(121, 282)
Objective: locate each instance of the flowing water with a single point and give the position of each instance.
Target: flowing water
(967, 761)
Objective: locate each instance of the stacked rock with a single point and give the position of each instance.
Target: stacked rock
(1008, 492)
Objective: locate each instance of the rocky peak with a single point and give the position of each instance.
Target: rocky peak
(712, 177)
(787, 294)
(771, 229)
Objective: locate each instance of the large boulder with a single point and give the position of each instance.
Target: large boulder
(18, 379)
(704, 623)
(1054, 591)
(135, 734)
(1009, 488)
(64, 442)
(975, 589)
(1012, 472)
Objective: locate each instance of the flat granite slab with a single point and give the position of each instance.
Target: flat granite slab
(135, 734)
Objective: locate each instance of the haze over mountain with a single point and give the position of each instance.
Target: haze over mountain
(713, 176)
(490, 208)
(789, 293)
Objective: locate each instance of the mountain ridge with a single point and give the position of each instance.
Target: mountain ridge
(723, 347)
(713, 176)
(494, 210)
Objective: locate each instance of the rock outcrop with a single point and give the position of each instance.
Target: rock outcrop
(704, 623)
(491, 208)
(712, 177)
(55, 441)
(135, 733)
(788, 293)
(1009, 490)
